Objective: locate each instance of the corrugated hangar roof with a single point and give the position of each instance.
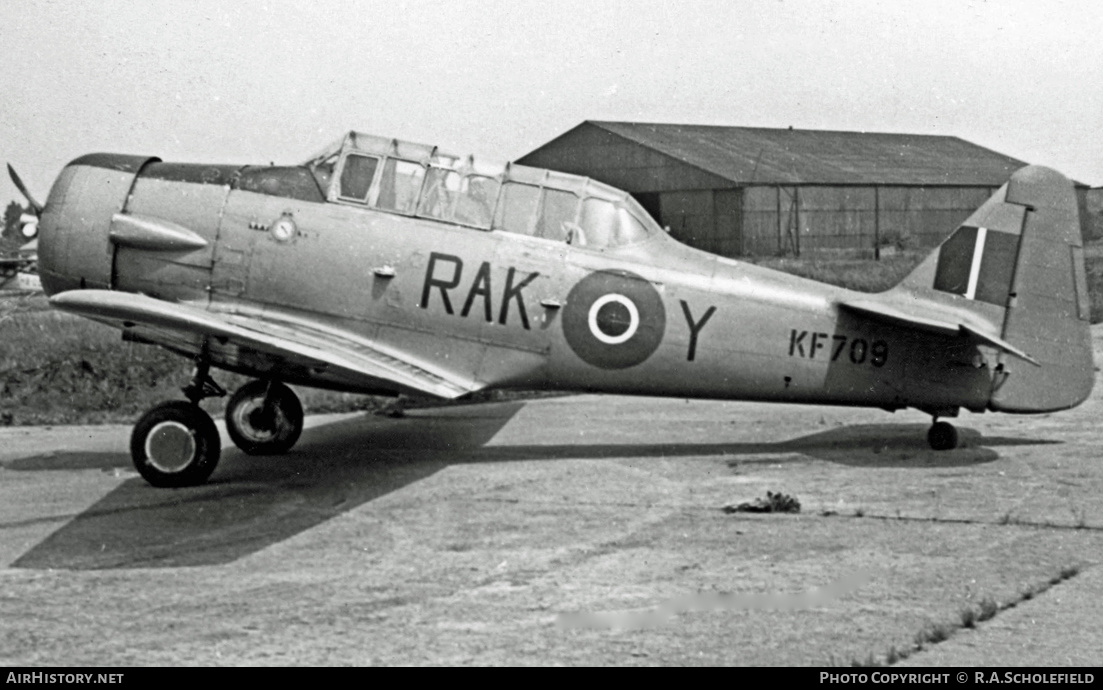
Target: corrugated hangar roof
(752, 155)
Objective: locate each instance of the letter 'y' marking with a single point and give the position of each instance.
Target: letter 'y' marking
(695, 328)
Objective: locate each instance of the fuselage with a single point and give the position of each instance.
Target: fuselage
(508, 309)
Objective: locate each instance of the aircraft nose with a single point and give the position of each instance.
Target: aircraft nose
(74, 249)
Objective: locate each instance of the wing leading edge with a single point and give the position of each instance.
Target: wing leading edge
(304, 344)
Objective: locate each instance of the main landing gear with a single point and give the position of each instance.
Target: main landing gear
(942, 435)
(176, 444)
(264, 418)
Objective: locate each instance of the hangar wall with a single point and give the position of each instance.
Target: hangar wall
(803, 218)
(669, 169)
(790, 219)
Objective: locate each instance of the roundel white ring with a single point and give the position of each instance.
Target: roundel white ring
(633, 323)
(613, 319)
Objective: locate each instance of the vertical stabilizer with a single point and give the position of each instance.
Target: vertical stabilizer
(1013, 273)
(1048, 309)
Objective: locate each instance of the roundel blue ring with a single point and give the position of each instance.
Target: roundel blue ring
(614, 319)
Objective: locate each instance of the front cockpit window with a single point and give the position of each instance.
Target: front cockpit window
(357, 175)
(399, 186)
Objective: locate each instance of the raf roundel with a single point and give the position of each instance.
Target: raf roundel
(614, 319)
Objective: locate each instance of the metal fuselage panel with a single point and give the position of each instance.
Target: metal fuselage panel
(75, 251)
(656, 318)
(180, 274)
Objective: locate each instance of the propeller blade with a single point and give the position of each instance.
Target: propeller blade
(23, 190)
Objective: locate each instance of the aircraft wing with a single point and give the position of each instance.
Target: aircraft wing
(945, 324)
(297, 342)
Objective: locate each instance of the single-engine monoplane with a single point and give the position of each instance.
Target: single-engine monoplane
(385, 267)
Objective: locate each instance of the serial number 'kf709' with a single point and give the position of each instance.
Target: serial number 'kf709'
(838, 346)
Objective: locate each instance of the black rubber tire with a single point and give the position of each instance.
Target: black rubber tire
(942, 436)
(255, 440)
(161, 449)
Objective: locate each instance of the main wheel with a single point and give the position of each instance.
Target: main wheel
(175, 444)
(942, 436)
(264, 428)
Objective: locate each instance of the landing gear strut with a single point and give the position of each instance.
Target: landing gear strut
(942, 435)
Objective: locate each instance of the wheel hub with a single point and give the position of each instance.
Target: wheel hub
(261, 421)
(170, 446)
(253, 422)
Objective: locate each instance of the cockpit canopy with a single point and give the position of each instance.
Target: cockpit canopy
(422, 181)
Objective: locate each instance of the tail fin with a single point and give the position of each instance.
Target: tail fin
(1019, 261)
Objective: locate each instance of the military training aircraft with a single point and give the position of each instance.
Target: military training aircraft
(385, 267)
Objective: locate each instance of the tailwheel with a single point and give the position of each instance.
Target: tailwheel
(175, 444)
(942, 436)
(264, 418)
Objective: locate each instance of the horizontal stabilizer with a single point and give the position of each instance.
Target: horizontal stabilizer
(932, 323)
(294, 342)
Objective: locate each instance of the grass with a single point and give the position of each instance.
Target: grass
(969, 617)
(988, 609)
(60, 369)
(773, 503)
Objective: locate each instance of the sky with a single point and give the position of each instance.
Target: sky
(258, 82)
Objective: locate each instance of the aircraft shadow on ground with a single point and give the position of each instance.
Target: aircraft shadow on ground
(253, 502)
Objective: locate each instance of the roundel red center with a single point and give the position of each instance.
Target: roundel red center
(614, 319)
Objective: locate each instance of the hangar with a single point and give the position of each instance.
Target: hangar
(740, 191)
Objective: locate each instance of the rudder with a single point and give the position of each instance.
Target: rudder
(1048, 308)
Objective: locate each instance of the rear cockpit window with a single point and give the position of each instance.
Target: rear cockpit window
(517, 211)
(558, 215)
(550, 214)
(562, 215)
